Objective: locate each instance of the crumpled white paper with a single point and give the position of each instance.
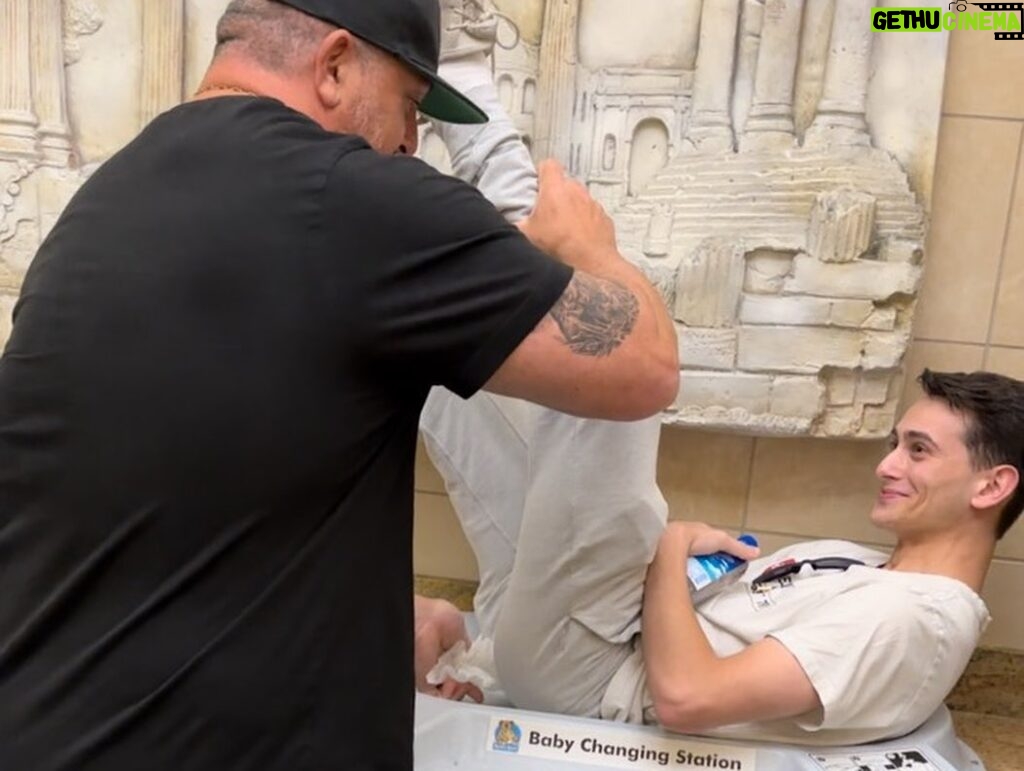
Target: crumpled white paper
(474, 664)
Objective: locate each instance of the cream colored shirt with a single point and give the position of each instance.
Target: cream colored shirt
(882, 648)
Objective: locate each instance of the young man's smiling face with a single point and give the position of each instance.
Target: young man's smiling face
(927, 480)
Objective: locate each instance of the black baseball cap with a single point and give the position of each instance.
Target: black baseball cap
(409, 30)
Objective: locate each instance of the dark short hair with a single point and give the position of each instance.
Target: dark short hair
(993, 406)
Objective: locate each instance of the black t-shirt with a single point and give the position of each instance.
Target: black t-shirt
(208, 411)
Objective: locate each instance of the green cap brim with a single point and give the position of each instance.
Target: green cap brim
(446, 104)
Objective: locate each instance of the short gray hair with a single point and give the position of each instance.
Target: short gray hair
(272, 33)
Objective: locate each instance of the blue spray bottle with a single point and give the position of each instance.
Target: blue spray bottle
(709, 574)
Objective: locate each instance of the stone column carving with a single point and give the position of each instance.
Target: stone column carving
(842, 225)
(690, 20)
(748, 44)
(48, 83)
(841, 112)
(557, 86)
(770, 120)
(815, 34)
(163, 57)
(710, 126)
(17, 120)
(709, 284)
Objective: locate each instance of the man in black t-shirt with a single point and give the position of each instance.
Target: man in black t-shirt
(209, 402)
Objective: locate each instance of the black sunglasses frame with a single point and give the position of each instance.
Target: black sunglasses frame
(776, 572)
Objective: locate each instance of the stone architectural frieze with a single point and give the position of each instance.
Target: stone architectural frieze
(759, 165)
(81, 19)
(749, 177)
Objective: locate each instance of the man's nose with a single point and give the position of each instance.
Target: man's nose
(411, 142)
(888, 467)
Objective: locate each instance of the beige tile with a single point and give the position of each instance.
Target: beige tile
(439, 547)
(772, 542)
(704, 476)
(428, 480)
(1008, 324)
(973, 178)
(984, 76)
(941, 357)
(1002, 595)
(1006, 361)
(1009, 361)
(1012, 544)
(815, 488)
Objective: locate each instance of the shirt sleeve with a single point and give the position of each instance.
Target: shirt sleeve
(437, 287)
(881, 664)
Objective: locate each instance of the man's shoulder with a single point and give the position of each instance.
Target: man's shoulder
(241, 137)
(256, 131)
(409, 202)
(397, 176)
(246, 115)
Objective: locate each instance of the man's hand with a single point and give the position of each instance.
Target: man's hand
(689, 539)
(692, 539)
(568, 224)
(439, 626)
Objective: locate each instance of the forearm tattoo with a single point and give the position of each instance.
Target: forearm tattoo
(595, 315)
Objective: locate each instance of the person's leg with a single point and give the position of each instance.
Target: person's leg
(490, 156)
(578, 496)
(479, 446)
(563, 515)
(592, 521)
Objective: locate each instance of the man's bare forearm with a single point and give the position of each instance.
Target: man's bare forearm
(677, 654)
(693, 687)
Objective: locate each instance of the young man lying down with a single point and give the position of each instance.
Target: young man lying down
(824, 642)
(583, 585)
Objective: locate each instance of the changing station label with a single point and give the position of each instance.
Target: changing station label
(611, 747)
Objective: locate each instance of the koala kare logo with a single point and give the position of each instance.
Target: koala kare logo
(507, 736)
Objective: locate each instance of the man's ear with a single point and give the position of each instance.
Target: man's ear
(997, 485)
(333, 66)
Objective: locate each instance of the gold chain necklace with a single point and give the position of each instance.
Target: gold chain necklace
(222, 87)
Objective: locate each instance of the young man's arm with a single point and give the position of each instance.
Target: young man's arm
(693, 688)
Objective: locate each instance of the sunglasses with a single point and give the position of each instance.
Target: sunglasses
(776, 572)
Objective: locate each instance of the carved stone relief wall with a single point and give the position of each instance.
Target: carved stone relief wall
(768, 164)
(78, 80)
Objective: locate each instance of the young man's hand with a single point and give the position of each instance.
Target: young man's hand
(693, 687)
(696, 538)
(439, 626)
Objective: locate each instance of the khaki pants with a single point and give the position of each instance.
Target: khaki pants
(564, 516)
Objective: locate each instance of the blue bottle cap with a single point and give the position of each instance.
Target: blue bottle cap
(748, 539)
